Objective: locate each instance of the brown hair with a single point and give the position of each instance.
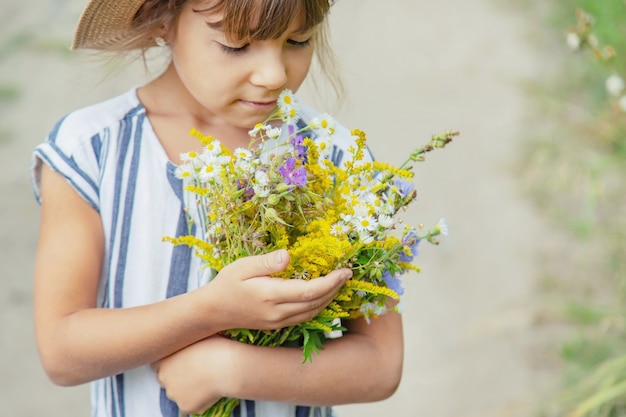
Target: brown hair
(271, 19)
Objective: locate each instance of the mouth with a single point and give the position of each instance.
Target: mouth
(260, 104)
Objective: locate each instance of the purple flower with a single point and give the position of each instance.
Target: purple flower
(393, 283)
(292, 175)
(248, 191)
(299, 148)
(404, 187)
(411, 241)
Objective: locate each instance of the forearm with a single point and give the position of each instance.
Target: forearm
(355, 368)
(93, 343)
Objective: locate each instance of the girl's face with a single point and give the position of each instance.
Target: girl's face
(237, 83)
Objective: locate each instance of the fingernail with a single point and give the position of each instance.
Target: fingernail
(279, 256)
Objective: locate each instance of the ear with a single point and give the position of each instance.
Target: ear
(161, 36)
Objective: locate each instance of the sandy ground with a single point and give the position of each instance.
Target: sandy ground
(413, 68)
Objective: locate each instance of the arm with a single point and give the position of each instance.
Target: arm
(364, 365)
(78, 342)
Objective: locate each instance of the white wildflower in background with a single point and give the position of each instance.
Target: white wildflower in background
(622, 103)
(573, 41)
(615, 85)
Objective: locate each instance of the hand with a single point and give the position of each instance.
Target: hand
(247, 297)
(196, 377)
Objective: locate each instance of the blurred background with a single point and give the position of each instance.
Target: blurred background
(519, 311)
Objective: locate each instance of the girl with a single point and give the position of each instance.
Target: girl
(117, 307)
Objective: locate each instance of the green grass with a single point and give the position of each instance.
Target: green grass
(575, 170)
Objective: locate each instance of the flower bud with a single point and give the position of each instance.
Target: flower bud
(272, 215)
(273, 199)
(282, 187)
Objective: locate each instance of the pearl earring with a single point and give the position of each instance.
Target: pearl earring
(160, 41)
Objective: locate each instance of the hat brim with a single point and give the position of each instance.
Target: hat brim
(104, 23)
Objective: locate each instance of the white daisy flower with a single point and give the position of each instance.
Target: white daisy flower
(364, 224)
(387, 208)
(366, 238)
(189, 156)
(386, 222)
(335, 333)
(272, 132)
(256, 129)
(211, 171)
(185, 172)
(400, 307)
(338, 229)
(374, 202)
(369, 309)
(261, 190)
(214, 148)
(242, 153)
(361, 210)
(442, 226)
(324, 125)
(262, 178)
(292, 117)
(347, 218)
(287, 102)
(261, 183)
(324, 144)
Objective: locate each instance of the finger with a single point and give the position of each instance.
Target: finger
(296, 313)
(258, 266)
(300, 291)
(311, 306)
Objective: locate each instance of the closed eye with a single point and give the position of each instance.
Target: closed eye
(234, 49)
(294, 42)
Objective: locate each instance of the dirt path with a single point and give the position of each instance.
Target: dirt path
(413, 68)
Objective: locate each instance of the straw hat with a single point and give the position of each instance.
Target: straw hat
(104, 22)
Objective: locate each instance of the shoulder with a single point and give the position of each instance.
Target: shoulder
(88, 122)
(76, 145)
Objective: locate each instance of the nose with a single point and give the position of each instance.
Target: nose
(270, 70)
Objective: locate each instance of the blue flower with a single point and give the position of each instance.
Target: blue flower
(410, 243)
(404, 187)
(393, 283)
(291, 175)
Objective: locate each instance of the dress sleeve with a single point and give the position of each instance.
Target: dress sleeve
(72, 154)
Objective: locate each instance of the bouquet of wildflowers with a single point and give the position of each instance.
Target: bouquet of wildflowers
(283, 192)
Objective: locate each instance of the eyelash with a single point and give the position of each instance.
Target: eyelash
(300, 44)
(234, 50)
(241, 49)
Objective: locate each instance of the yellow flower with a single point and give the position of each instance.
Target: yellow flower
(371, 288)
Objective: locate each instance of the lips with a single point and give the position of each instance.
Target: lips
(260, 103)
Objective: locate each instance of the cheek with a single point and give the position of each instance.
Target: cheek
(299, 68)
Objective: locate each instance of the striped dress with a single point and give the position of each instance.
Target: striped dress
(112, 158)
